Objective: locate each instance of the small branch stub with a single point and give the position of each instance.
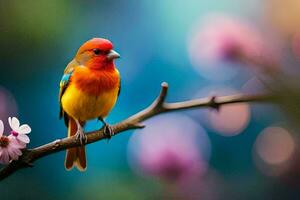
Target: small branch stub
(214, 104)
(158, 103)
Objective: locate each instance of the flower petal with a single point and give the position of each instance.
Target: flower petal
(1, 128)
(14, 142)
(14, 153)
(24, 129)
(11, 153)
(14, 148)
(9, 121)
(14, 123)
(22, 145)
(23, 138)
(4, 158)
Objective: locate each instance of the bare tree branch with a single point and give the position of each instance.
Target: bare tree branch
(134, 122)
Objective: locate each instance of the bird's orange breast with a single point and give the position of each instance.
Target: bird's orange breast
(95, 82)
(91, 95)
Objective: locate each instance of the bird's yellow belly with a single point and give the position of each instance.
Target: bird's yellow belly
(82, 106)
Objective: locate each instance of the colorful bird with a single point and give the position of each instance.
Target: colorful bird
(89, 89)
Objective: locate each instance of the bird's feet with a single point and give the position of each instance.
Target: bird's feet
(108, 131)
(80, 135)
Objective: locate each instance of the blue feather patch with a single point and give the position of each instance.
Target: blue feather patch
(65, 79)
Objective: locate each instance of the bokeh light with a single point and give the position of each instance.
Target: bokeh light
(173, 148)
(274, 146)
(222, 38)
(228, 120)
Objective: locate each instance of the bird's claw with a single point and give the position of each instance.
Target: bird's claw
(81, 136)
(108, 131)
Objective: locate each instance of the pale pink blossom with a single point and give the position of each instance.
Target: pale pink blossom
(10, 147)
(19, 131)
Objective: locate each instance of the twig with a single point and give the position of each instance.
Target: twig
(134, 122)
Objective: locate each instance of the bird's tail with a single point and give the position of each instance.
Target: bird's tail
(75, 156)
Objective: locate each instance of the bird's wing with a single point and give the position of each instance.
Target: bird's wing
(119, 88)
(64, 85)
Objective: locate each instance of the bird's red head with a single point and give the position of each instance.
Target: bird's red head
(97, 54)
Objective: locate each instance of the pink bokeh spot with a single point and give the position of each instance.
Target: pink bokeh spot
(220, 38)
(274, 151)
(275, 145)
(230, 120)
(169, 149)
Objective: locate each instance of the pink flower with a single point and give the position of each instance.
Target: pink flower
(10, 147)
(19, 131)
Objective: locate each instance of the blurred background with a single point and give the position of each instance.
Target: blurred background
(201, 48)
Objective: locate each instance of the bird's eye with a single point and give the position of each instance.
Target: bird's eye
(97, 51)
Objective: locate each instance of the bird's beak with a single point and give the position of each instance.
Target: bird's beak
(112, 55)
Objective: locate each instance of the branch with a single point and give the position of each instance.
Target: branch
(134, 122)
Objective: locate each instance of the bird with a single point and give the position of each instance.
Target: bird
(89, 89)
